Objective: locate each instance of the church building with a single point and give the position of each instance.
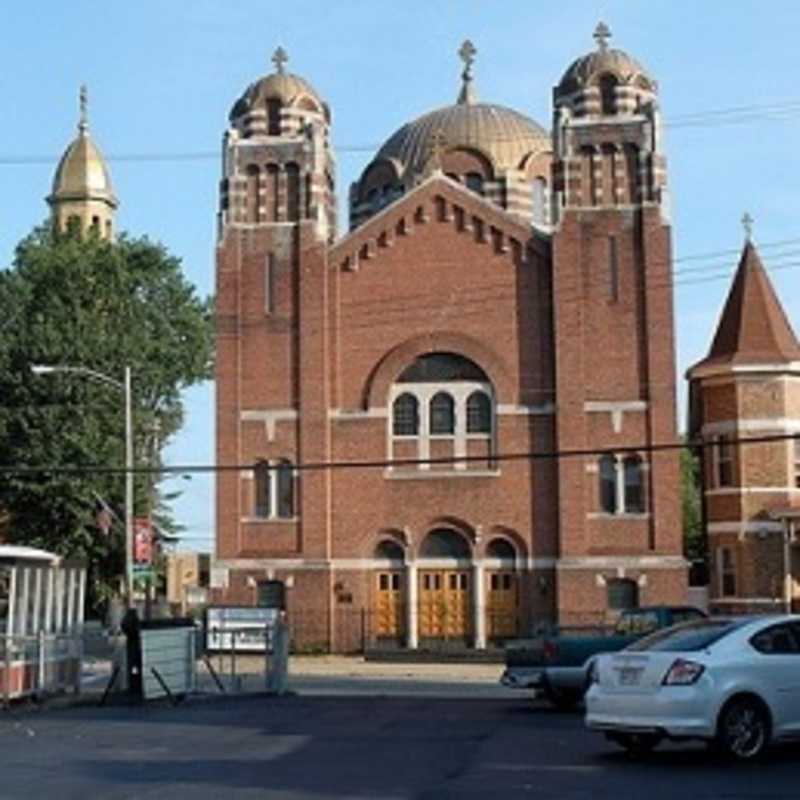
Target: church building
(447, 423)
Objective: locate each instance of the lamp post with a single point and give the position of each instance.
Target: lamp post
(125, 386)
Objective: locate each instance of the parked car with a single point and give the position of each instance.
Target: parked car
(734, 683)
(557, 665)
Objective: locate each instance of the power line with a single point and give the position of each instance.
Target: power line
(312, 466)
(708, 118)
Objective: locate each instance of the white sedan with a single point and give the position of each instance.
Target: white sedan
(732, 682)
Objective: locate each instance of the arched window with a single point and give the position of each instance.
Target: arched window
(438, 367)
(292, 192)
(474, 181)
(389, 550)
(442, 415)
(263, 494)
(608, 484)
(608, 94)
(274, 116)
(634, 485)
(502, 549)
(405, 415)
(444, 543)
(479, 413)
(622, 594)
(271, 195)
(285, 482)
(539, 202)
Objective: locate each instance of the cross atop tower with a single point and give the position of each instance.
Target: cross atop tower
(279, 58)
(602, 33)
(83, 101)
(747, 224)
(467, 53)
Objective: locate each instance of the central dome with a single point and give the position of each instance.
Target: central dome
(503, 136)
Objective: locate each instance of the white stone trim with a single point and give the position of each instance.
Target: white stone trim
(720, 601)
(616, 408)
(728, 490)
(621, 562)
(623, 515)
(356, 415)
(510, 409)
(743, 370)
(269, 417)
(409, 473)
(780, 424)
(359, 564)
(741, 528)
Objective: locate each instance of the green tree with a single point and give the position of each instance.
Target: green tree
(693, 539)
(82, 301)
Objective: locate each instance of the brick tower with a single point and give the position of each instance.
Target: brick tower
(749, 386)
(620, 530)
(276, 220)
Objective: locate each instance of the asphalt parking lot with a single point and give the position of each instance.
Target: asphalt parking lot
(370, 742)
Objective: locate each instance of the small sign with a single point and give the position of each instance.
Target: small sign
(218, 578)
(142, 541)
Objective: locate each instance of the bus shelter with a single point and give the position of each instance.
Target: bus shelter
(41, 622)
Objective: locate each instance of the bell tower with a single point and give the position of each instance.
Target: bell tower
(276, 219)
(82, 194)
(612, 297)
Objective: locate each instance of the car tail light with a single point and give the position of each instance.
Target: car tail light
(683, 673)
(550, 651)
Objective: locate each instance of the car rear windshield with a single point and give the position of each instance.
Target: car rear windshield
(686, 636)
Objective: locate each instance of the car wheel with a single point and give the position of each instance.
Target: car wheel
(637, 744)
(743, 729)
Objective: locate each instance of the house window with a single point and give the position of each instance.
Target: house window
(442, 415)
(474, 181)
(405, 416)
(634, 486)
(274, 490)
(479, 413)
(727, 572)
(723, 462)
(608, 484)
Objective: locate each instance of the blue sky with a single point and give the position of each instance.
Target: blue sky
(163, 75)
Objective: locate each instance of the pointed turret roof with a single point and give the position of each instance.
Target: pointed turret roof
(753, 328)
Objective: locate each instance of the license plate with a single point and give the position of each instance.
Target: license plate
(629, 676)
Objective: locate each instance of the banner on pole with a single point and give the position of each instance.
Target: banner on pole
(142, 541)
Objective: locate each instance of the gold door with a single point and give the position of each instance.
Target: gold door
(389, 604)
(501, 605)
(444, 604)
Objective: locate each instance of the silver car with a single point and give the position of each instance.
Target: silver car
(732, 682)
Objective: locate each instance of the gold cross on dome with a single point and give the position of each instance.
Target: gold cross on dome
(83, 100)
(279, 58)
(602, 33)
(747, 224)
(467, 53)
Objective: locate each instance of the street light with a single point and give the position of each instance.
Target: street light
(125, 385)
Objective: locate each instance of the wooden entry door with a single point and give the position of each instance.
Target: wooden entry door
(501, 605)
(389, 604)
(444, 604)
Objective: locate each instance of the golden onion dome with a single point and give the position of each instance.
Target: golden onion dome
(587, 70)
(290, 89)
(82, 173)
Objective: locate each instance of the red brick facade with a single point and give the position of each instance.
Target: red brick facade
(562, 328)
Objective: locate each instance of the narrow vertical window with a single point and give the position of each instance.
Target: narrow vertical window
(613, 270)
(251, 201)
(292, 192)
(269, 284)
(727, 572)
(405, 415)
(634, 486)
(723, 455)
(608, 94)
(539, 201)
(271, 193)
(285, 481)
(797, 463)
(479, 413)
(474, 181)
(274, 116)
(608, 484)
(442, 414)
(263, 493)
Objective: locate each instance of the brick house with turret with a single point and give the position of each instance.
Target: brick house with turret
(390, 401)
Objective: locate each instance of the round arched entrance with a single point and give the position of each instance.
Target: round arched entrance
(389, 605)
(445, 587)
(502, 590)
